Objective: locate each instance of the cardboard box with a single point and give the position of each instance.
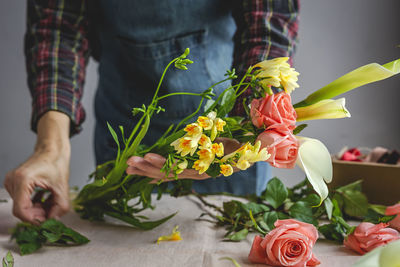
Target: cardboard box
(381, 182)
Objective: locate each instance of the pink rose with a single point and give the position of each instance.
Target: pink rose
(368, 236)
(281, 144)
(289, 244)
(273, 109)
(394, 210)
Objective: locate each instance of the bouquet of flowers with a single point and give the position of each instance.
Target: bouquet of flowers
(268, 132)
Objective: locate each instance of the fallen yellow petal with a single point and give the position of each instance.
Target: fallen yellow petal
(174, 236)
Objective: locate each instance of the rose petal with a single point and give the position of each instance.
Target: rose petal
(257, 253)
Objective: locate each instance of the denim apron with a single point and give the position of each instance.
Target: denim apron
(137, 39)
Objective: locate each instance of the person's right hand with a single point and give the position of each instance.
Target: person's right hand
(47, 168)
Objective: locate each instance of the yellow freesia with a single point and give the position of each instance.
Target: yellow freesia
(174, 236)
(226, 169)
(324, 109)
(243, 164)
(208, 121)
(277, 73)
(248, 154)
(201, 165)
(185, 145)
(205, 141)
(217, 149)
(182, 166)
(219, 124)
(193, 129)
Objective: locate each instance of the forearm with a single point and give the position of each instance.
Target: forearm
(53, 134)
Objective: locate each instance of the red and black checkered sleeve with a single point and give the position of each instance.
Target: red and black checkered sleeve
(57, 52)
(265, 29)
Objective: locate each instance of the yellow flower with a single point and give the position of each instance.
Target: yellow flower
(181, 166)
(248, 154)
(185, 145)
(226, 169)
(174, 236)
(201, 165)
(243, 164)
(219, 124)
(193, 129)
(205, 141)
(206, 153)
(278, 73)
(217, 149)
(205, 122)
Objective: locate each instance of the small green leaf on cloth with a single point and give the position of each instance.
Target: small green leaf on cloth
(8, 260)
(31, 237)
(232, 260)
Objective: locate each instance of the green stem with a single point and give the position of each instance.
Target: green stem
(179, 93)
(161, 80)
(189, 117)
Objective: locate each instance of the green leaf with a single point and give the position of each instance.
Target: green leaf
(275, 193)
(29, 248)
(299, 128)
(312, 199)
(355, 203)
(355, 186)
(238, 236)
(302, 211)
(328, 207)
(333, 231)
(148, 225)
(381, 209)
(8, 260)
(256, 208)
(208, 104)
(214, 170)
(270, 218)
(227, 102)
(230, 208)
(375, 217)
(115, 137)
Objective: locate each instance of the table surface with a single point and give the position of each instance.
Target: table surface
(116, 244)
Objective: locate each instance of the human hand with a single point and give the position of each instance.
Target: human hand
(150, 165)
(42, 170)
(47, 168)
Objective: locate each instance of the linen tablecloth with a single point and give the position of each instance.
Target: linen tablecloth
(116, 244)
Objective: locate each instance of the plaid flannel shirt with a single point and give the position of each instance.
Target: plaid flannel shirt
(57, 48)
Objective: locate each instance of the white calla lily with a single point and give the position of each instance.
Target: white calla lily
(383, 256)
(315, 160)
(324, 109)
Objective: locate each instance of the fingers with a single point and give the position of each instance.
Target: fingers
(150, 165)
(141, 166)
(59, 205)
(24, 208)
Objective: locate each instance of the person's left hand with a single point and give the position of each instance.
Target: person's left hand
(150, 165)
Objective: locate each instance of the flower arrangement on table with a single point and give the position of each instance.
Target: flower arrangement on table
(268, 132)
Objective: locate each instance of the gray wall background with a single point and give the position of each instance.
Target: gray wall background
(335, 37)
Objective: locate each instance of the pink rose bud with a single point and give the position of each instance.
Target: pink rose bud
(289, 244)
(281, 144)
(394, 210)
(273, 109)
(368, 236)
